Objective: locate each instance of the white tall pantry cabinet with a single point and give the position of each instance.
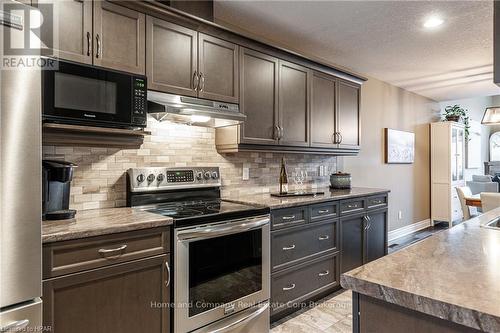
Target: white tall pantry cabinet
(447, 170)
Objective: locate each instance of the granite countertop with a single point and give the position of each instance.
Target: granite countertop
(453, 275)
(95, 222)
(266, 199)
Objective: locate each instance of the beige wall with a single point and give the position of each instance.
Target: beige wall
(384, 105)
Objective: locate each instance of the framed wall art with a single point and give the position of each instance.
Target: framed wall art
(399, 146)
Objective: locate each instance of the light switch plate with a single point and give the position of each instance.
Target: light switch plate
(246, 173)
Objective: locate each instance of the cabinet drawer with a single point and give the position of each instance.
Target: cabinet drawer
(324, 210)
(294, 244)
(352, 206)
(288, 217)
(77, 255)
(378, 201)
(294, 284)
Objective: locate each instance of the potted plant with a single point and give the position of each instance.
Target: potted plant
(455, 113)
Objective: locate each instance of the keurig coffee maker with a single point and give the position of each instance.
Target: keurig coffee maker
(57, 177)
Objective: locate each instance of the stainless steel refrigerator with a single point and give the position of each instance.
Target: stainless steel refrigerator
(20, 188)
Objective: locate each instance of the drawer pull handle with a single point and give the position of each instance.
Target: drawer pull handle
(286, 218)
(352, 206)
(106, 251)
(324, 273)
(167, 283)
(324, 211)
(291, 247)
(324, 237)
(377, 202)
(292, 286)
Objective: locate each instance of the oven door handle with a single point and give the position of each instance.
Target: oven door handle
(238, 322)
(234, 227)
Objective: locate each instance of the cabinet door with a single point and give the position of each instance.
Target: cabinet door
(119, 37)
(323, 111)
(72, 24)
(348, 115)
(218, 67)
(119, 298)
(172, 53)
(259, 97)
(293, 104)
(352, 234)
(376, 236)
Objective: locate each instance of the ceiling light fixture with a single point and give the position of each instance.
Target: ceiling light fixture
(433, 22)
(491, 116)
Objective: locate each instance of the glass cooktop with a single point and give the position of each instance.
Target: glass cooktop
(201, 209)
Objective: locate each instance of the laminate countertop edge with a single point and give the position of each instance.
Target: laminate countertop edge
(460, 286)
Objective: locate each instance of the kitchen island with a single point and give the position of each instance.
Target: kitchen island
(449, 282)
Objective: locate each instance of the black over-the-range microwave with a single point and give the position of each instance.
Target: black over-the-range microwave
(87, 95)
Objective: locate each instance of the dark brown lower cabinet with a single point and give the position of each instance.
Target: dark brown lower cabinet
(125, 298)
(363, 237)
(377, 316)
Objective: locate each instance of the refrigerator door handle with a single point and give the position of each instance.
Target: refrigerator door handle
(15, 326)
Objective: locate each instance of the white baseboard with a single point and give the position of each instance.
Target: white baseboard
(408, 229)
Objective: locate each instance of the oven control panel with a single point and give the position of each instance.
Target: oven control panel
(159, 178)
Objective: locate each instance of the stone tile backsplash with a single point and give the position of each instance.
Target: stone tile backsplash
(99, 181)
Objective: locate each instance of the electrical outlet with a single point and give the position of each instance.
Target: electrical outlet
(400, 215)
(246, 173)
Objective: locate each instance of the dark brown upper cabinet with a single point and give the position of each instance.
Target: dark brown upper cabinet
(348, 103)
(72, 22)
(323, 110)
(293, 104)
(100, 33)
(218, 69)
(183, 61)
(172, 52)
(119, 37)
(259, 97)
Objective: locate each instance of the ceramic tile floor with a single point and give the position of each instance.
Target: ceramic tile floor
(333, 314)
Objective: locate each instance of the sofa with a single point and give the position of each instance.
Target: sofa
(482, 183)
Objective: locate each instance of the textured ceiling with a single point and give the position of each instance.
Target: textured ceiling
(383, 39)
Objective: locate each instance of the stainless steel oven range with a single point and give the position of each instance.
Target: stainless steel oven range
(221, 249)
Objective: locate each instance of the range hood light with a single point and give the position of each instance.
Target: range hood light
(199, 119)
(491, 116)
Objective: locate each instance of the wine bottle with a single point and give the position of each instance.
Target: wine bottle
(283, 178)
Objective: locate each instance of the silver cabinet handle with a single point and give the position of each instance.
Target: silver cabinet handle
(15, 326)
(291, 247)
(324, 211)
(292, 286)
(286, 218)
(333, 138)
(324, 273)
(365, 218)
(117, 249)
(196, 80)
(340, 137)
(202, 82)
(89, 41)
(167, 283)
(369, 222)
(282, 132)
(98, 51)
(324, 237)
(276, 132)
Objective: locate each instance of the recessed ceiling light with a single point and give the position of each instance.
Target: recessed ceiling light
(433, 21)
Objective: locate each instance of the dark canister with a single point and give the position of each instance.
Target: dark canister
(340, 180)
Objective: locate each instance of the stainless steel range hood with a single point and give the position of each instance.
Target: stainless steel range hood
(193, 111)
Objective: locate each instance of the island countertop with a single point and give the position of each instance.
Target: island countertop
(96, 222)
(265, 199)
(453, 275)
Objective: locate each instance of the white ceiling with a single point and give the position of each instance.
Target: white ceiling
(383, 39)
